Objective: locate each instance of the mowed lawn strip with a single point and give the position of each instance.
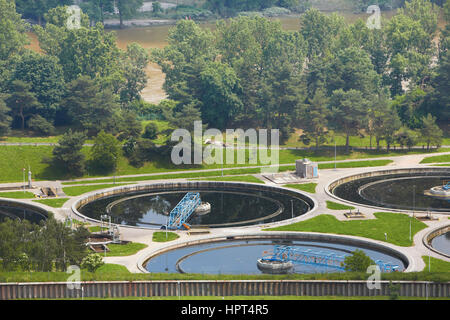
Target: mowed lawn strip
(396, 225)
(77, 190)
(308, 187)
(247, 178)
(17, 195)
(337, 206)
(436, 159)
(162, 236)
(119, 250)
(55, 203)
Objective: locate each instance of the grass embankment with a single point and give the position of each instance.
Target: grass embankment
(55, 203)
(337, 206)
(437, 159)
(308, 187)
(14, 158)
(17, 195)
(162, 236)
(120, 250)
(229, 172)
(396, 225)
(436, 265)
(112, 272)
(77, 190)
(247, 178)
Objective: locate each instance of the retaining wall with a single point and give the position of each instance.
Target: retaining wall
(58, 290)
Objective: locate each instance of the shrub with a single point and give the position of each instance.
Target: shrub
(357, 262)
(151, 131)
(40, 125)
(92, 262)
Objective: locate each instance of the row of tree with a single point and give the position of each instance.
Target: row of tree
(95, 9)
(81, 79)
(327, 77)
(49, 246)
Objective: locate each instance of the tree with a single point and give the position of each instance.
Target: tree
(134, 62)
(314, 122)
(430, 132)
(357, 262)
(67, 154)
(91, 107)
(130, 127)
(319, 30)
(406, 137)
(22, 101)
(92, 262)
(352, 68)
(105, 152)
(151, 131)
(385, 122)
(36, 9)
(5, 119)
(40, 125)
(128, 8)
(84, 51)
(96, 9)
(348, 112)
(219, 87)
(45, 76)
(12, 30)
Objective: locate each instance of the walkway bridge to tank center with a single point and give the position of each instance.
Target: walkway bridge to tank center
(179, 215)
(283, 253)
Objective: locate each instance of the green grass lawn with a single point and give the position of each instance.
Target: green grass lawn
(436, 265)
(436, 159)
(337, 206)
(55, 203)
(162, 236)
(97, 228)
(116, 250)
(112, 268)
(308, 187)
(355, 164)
(14, 158)
(17, 195)
(247, 178)
(396, 225)
(78, 190)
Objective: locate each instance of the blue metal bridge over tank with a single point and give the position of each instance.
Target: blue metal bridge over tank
(183, 210)
(318, 258)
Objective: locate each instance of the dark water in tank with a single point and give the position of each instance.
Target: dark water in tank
(227, 207)
(226, 259)
(401, 191)
(442, 243)
(20, 213)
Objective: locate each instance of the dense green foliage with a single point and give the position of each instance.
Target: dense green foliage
(359, 261)
(49, 246)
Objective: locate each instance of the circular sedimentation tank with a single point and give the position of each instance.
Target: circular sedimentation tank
(241, 256)
(224, 204)
(397, 189)
(21, 211)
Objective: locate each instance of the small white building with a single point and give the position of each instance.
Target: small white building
(306, 169)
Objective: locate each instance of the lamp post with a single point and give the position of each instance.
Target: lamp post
(334, 153)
